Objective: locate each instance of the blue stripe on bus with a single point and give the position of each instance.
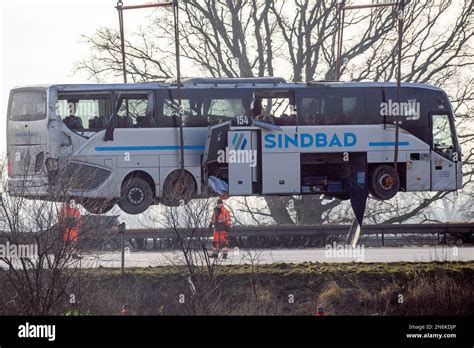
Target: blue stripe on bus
(389, 143)
(150, 148)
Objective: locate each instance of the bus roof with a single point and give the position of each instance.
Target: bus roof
(276, 83)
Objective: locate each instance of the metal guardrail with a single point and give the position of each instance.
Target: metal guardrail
(95, 227)
(300, 230)
(119, 231)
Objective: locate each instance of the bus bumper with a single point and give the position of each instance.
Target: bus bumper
(28, 188)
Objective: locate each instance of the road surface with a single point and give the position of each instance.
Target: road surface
(266, 256)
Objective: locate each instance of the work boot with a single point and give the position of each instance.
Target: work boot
(224, 256)
(213, 255)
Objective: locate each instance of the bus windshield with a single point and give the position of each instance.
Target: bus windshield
(28, 106)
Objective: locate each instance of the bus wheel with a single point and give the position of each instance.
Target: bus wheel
(384, 182)
(98, 206)
(178, 189)
(137, 196)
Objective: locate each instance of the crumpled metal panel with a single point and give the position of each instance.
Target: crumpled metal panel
(83, 177)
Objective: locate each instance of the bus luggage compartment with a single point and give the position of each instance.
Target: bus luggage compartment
(324, 173)
(320, 184)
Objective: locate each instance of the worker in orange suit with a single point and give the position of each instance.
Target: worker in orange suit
(220, 222)
(320, 311)
(70, 222)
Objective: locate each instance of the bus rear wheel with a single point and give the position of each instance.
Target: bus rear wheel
(137, 196)
(384, 182)
(178, 188)
(98, 206)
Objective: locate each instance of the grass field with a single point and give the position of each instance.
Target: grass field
(277, 289)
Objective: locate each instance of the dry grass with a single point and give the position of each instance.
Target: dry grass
(343, 289)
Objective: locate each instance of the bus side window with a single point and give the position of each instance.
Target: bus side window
(351, 106)
(274, 107)
(331, 106)
(169, 116)
(374, 99)
(135, 111)
(310, 110)
(411, 103)
(220, 110)
(202, 108)
(192, 113)
(84, 112)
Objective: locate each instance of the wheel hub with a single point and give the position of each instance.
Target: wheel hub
(386, 182)
(136, 195)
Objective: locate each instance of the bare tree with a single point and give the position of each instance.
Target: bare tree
(188, 221)
(38, 252)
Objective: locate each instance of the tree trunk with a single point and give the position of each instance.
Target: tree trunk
(277, 207)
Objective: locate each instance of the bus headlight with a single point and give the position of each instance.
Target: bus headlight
(52, 164)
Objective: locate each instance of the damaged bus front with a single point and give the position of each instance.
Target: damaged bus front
(40, 141)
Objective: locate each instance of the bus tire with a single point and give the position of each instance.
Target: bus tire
(384, 182)
(137, 196)
(97, 206)
(177, 190)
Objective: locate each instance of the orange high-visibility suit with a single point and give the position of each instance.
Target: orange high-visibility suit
(70, 222)
(221, 221)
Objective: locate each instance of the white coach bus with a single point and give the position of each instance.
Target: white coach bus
(120, 143)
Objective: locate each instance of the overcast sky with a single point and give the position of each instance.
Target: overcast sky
(41, 40)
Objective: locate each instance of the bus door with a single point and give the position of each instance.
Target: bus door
(444, 154)
(280, 157)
